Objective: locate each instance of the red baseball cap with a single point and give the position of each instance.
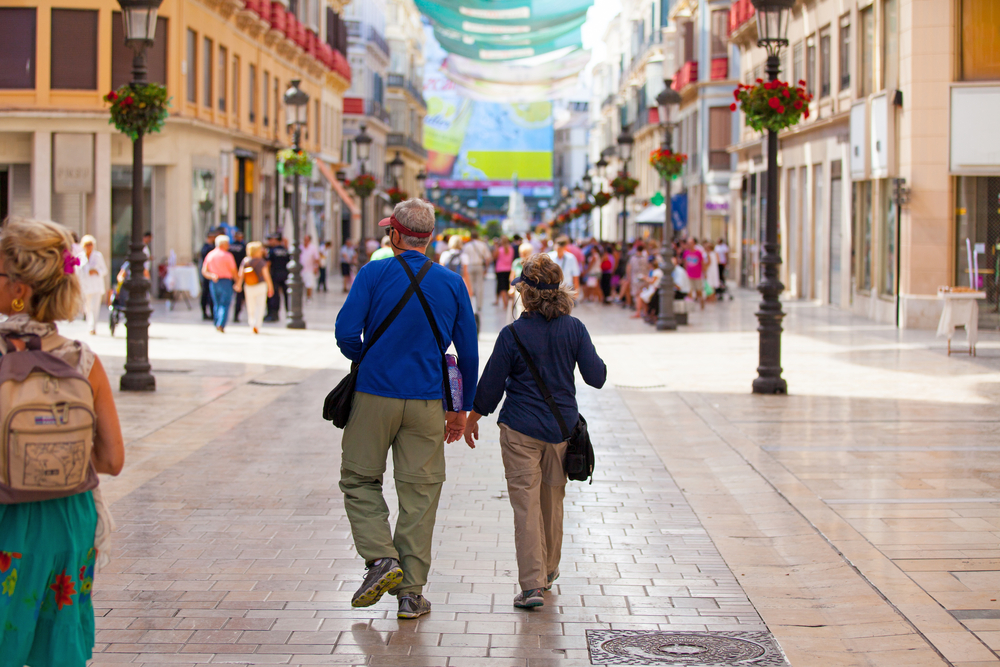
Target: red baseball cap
(391, 221)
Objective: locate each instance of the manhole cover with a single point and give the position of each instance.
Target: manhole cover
(693, 649)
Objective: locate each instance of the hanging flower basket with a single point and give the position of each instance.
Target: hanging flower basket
(772, 105)
(396, 195)
(601, 199)
(667, 163)
(585, 208)
(624, 185)
(362, 185)
(291, 163)
(138, 110)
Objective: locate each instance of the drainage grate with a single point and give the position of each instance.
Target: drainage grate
(691, 649)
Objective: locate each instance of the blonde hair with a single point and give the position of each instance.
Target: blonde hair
(88, 239)
(455, 242)
(551, 303)
(34, 254)
(525, 250)
(253, 247)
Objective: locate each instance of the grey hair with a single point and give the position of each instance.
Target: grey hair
(220, 239)
(417, 215)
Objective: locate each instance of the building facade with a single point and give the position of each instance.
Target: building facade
(405, 94)
(895, 167)
(225, 65)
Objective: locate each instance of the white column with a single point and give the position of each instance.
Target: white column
(99, 218)
(41, 175)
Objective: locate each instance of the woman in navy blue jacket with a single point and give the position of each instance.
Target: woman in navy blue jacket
(531, 441)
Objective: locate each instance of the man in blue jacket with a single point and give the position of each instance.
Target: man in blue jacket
(398, 406)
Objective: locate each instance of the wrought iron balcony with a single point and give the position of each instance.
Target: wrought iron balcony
(399, 140)
(400, 81)
(363, 107)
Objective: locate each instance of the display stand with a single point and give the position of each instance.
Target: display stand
(961, 309)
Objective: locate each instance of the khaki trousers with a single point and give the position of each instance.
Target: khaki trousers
(477, 278)
(536, 484)
(414, 431)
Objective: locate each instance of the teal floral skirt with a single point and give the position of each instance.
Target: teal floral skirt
(47, 561)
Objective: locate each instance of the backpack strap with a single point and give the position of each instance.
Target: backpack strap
(546, 394)
(414, 283)
(370, 342)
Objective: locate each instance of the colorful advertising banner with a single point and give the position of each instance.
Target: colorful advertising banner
(478, 144)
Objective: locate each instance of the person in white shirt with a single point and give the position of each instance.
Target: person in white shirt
(457, 261)
(722, 251)
(479, 258)
(309, 261)
(567, 262)
(91, 273)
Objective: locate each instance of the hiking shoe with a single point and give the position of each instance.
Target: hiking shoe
(379, 580)
(529, 599)
(413, 605)
(552, 578)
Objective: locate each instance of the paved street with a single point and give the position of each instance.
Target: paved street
(856, 520)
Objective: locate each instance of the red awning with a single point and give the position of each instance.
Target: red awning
(338, 187)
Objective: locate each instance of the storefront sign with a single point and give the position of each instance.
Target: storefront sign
(73, 163)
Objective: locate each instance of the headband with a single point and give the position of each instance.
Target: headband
(534, 283)
(403, 229)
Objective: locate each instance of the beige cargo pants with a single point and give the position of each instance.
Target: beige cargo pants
(414, 431)
(536, 484)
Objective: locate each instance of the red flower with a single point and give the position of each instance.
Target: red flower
(798, 104)
(806, 113)
(112, 96)
(773, 103)
(736, 94)
(732, 107)
(760, 80)
(802, 82)
(127, 101)
(781, 109)
(64, 588)
(786, 93)
(5, 559)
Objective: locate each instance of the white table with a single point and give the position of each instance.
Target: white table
(961, 309)
(183, 280)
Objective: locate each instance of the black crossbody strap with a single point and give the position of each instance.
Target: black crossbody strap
(546, 394)
(415, 283)
(394, 314)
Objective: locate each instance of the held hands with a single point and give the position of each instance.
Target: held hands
(454, 426)
(472, 429)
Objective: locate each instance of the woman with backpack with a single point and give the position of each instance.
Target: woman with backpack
(531, 441)
(49, 548)
(457, 261)
(254, 278)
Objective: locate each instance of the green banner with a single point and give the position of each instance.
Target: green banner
(492, 21)
(511, 50)
(523, 39)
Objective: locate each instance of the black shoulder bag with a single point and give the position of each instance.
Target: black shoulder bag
(337, 407)
(579, 461)
(446, 383)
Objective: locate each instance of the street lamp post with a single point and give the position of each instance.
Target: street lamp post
(139, 19)
(669, 100)
(625, 144)
(602, 165)
(588, 190)
(296, 101)
(421, 179)
(396, 168)
(364, 145)
(772, 34)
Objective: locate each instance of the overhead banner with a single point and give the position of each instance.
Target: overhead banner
(478, 144)
(509, 50)
(517, 71)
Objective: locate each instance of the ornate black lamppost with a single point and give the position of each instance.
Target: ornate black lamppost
(588, 189)
(669, 100)
(364, 145)
(396, 169)
(602, 165)
(772, 34)
(139, 19)
(296, 103)
(625, 144)
(421, 178)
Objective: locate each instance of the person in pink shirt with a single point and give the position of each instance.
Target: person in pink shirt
(503, 259)
(220, 269)
(694, 264)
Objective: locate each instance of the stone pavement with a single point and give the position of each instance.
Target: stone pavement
(857, 518)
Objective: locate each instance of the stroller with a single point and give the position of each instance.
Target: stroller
(119, 297)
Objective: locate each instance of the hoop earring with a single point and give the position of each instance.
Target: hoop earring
(17, 305)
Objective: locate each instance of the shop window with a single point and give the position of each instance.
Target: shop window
(824, 63)
(236, 86)
(890, 44)
(980, 40)
(845, 51)
(720, 121)
(862, 195)
(811, 65)
(192, 66)
(209, 64)
(867, 66)
(156, 55)
(203, 207)
(252, 93)
(889, 220)
(266, 102)
(17, 57)
(74, 49)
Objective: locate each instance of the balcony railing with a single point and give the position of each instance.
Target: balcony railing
(354, 28)
(686, 75)
(362, 107)
(400, 140)
(400, 81)
(720, 69)
(645, 117)
(376, 38)
(740, 12)
(655, 39)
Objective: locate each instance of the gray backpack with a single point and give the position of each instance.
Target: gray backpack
(47, 425)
